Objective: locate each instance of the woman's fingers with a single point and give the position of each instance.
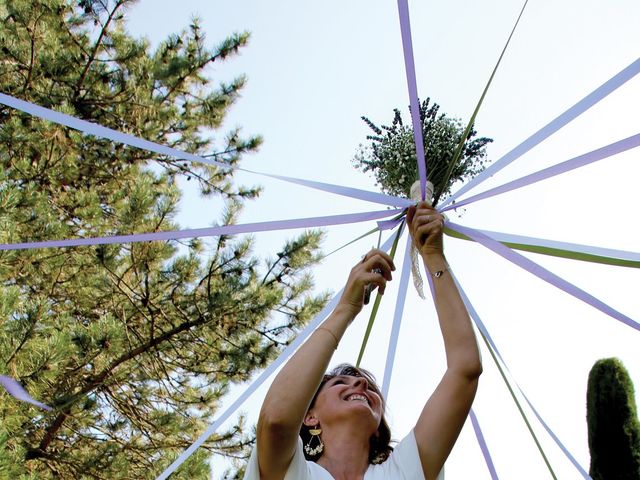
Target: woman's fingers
(374, 270)
(428, 222)
(379, 261)
(426, 226)
(378, 254)
(377, 267)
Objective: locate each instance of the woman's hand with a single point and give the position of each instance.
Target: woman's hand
(426, 226)
(375, 268)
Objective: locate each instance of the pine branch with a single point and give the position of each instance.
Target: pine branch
(96, 47)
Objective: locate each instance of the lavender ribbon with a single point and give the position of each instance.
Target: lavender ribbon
(576, 162)
(397, 320)
(210, 231)
(100, 131)
(389, 224)
(557, 123)
(116, 136)
(483, 329)
(483, 445)
(356, 193)
(543, 273)
(19, 393)
(283, 357)
(287, 352)
(410, 68)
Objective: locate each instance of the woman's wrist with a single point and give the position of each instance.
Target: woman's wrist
(346, 313)
(435, 262)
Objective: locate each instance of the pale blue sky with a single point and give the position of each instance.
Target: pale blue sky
(315, 67)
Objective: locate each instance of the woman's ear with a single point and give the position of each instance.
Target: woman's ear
(310, 420)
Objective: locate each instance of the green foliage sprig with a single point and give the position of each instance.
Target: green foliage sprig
(391, 155)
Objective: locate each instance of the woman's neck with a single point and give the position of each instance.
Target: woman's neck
(345, 456)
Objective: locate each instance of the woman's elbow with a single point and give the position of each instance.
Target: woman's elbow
(474, 370)
(469, 369)
(274, 423)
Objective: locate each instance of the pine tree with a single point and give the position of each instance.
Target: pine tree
(391, 154)
(133, 345)
(613, 426)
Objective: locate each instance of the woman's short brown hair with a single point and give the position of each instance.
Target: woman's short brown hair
(380, 447)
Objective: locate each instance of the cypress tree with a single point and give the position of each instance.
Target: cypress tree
(133, 345)
(614, 430)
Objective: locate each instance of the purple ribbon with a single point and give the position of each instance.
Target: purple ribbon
(481, 326)
(116, 136)
(483, 445)
(356, 193)
(542, 273)
(560, 121)
(210, 231)
(389, 224)
(286, 353)
(100, 131)
(576, 162)
(410, 68)
(19, 393)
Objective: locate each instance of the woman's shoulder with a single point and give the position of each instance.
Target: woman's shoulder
(299, 469)
(403, 463)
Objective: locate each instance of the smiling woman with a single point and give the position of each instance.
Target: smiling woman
(351, 384)
(331, 426)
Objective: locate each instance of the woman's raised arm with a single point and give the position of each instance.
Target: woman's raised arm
(446, 410)
(291, 392)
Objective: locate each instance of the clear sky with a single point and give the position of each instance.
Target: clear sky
(315, 67)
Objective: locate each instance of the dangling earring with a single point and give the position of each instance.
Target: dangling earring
(379, 458)
(314, 451)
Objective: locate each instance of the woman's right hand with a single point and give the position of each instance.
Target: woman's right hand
(375, 268)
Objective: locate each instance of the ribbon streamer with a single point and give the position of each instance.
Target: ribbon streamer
(410, 69)
(573, 251)
(286, 353)
(543, 273)
(376, 304)
(209, 231)
(556, 124)
(576, 162)
(102, 132)
(515, 398)
(472, 120)
(133, 141)
(358, 194)
(397, 319)
(19, 393)
(483, 445)
(487, 337)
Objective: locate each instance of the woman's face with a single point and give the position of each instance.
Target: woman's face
(347, 397)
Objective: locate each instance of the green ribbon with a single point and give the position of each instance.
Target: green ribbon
(517, 402)
(376, 303)
(463, 139)
(558, 252)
